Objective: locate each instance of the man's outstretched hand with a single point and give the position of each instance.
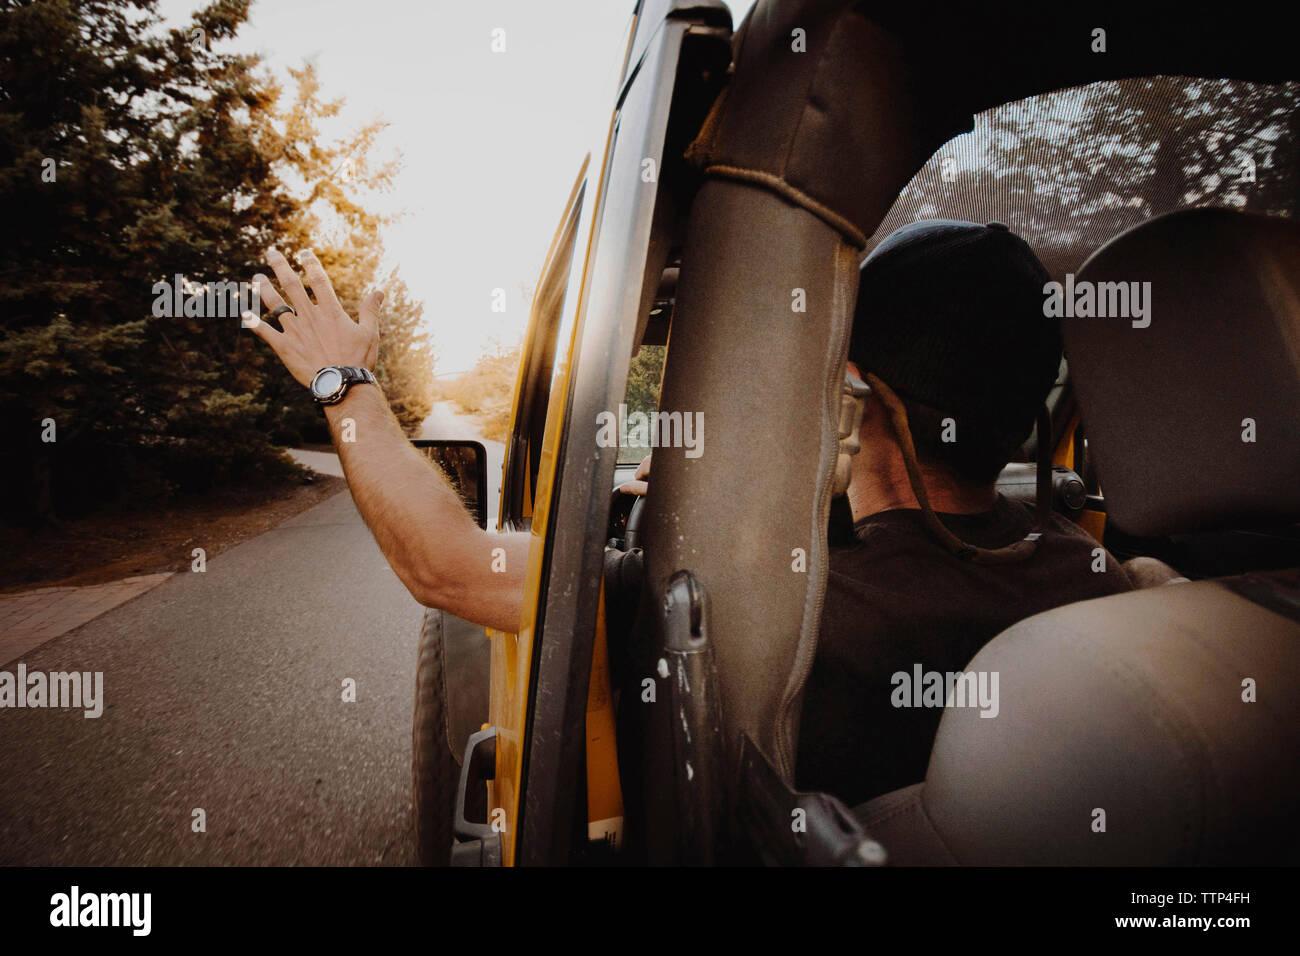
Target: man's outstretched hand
(430, 540)
(321, 333)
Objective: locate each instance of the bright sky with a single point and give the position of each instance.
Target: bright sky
(491, 142)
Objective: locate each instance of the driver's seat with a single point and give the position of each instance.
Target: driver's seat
(1159, 726)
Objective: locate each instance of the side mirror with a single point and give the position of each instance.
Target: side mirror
(465, 465)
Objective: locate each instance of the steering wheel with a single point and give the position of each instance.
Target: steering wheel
(632, 532)
(625, 511)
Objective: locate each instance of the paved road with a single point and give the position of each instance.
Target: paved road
(223, 691)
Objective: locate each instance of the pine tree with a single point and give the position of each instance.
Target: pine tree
(129, 155)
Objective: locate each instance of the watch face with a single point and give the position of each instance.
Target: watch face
(327, 382)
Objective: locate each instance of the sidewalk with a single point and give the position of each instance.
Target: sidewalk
(323, 462)
(30, 618)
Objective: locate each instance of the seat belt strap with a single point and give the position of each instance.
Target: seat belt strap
(1012, 553)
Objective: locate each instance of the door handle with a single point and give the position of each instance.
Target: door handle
(477, 844)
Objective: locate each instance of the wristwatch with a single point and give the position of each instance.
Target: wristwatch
(330, 384)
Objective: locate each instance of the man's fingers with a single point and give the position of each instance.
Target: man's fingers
(634, 487)
(369, 314)
(320, 282)
(272, 300)
(643, 469)
(267, 334)
(268, 293)
(290, 282)
(264, 330)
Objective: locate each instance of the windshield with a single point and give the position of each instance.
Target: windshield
(1071, 169)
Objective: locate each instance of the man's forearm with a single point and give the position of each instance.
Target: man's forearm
(444, 558)
(429, 538)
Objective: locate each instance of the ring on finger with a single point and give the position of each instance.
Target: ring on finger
(282, 309)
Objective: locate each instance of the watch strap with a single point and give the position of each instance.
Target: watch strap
(356, 375)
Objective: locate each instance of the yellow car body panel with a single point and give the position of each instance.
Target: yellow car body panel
(512, 654)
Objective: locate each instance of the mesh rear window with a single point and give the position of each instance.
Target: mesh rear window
(1069, 170)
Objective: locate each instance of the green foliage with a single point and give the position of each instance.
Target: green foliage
(487, 391)
(642, 393)
(643, 379)
(405, 367)
(168, 158)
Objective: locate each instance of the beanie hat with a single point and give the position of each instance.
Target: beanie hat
(950, 315)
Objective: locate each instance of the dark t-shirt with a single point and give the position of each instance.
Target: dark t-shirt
(897, 599)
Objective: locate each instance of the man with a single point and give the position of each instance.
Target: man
(950, 319)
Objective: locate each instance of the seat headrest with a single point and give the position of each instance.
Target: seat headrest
(1183, 338)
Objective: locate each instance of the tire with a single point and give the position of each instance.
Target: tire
(435, 772)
